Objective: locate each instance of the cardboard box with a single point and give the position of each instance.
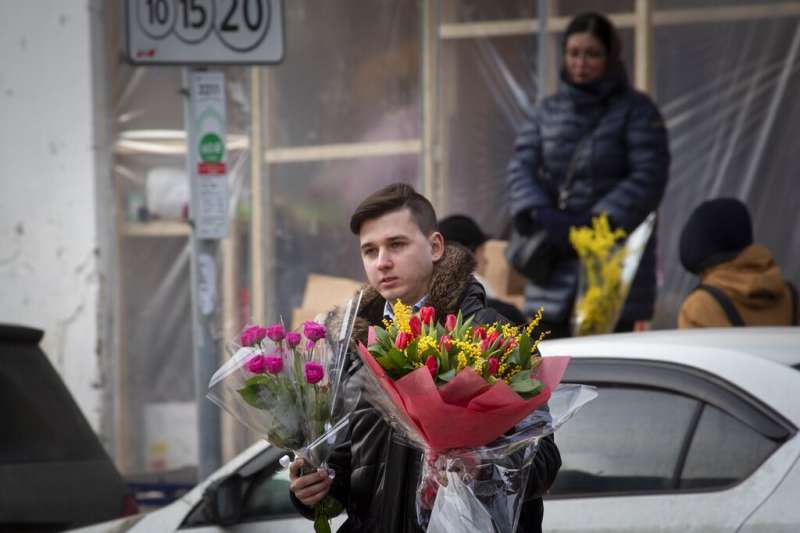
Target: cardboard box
(321, 294)
(502, 278)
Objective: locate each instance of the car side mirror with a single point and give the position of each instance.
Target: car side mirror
(223, 500)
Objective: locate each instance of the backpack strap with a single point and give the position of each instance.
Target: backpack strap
(793, 294)
(724, 302)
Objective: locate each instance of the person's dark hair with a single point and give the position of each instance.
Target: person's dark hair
(717, 231)
(463, 230)
(393, 198)
(598, 26)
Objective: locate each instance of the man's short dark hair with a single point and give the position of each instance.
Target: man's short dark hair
(393, 198)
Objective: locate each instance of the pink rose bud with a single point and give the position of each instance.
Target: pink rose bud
(479, 333)
(403, 339)
(492, 365)
(415, 325)
(314, 372)
(428, 315)
(511, 343)
(432, 364)
(252, 335)
(256, 364)
(450, 322)
(493, 336)
(274, 363)
(293, 339)
(313, 331)
(372, 338)
(276, 333)
(446, 343)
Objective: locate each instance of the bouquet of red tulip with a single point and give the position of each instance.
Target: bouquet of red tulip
(288, 386)
(474, 399)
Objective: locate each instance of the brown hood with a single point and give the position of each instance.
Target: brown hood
(752, 278)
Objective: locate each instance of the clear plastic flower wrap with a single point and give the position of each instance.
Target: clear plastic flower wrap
(608, 263)
(288, 387)
(478, 422)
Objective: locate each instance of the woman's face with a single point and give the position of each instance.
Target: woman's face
(585, 57)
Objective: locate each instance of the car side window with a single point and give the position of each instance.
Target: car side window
(268, 496)
(723, 451)
(627, 440)
(264, 494)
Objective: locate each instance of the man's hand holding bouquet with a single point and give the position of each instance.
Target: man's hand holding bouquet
(289, 387)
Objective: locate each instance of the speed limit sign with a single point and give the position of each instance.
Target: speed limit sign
(194, 32)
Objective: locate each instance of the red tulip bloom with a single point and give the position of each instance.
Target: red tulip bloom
(416, 326)
(428, 315)
(432, 364)
(403, 339)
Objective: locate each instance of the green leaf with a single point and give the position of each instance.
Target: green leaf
(524, 350)
(249, 394)
(527, 385)
(378, 351)
(398, 358)
(387, 363)
(383, 336)
(327, 508)
(259, 379)
(411, 351)
(462, 329)
(444, 361)
(522, 375)
(447, 376)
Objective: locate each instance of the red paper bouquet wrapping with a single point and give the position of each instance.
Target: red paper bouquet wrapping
(467, 412)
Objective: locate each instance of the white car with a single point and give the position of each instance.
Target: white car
(693, 431)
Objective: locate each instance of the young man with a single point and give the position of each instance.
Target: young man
(405, 258)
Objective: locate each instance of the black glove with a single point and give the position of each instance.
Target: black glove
(523, 223)
(557, 224)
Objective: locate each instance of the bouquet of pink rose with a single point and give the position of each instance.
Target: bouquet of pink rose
(288, 386)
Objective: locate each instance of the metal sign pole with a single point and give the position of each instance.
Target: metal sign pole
(204, 119)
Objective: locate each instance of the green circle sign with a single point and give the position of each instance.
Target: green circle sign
(211, 148)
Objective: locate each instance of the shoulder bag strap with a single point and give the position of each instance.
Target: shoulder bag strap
(793, 294)
(564, 190)
(725, 303)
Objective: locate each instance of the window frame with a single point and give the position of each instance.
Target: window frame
(693, 383)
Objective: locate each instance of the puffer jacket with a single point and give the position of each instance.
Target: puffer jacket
(755, 285)
(376, 476)
(622, 171)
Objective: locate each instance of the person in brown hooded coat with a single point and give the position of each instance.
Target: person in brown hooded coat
(740, 283)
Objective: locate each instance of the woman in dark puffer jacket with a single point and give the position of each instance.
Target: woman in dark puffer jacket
(621, 168)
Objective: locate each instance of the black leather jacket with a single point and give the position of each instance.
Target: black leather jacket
(376, 476)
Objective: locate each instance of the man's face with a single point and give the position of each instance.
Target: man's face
(398, 258)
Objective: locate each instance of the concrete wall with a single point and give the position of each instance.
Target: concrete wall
(49, 242)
